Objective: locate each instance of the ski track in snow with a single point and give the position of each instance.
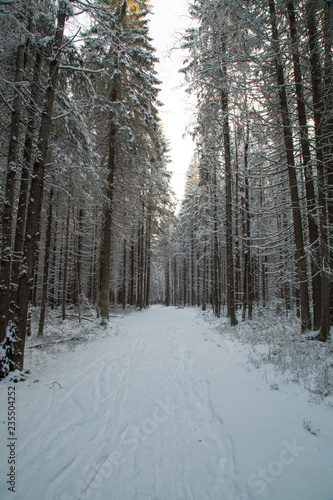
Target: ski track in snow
(132, 421)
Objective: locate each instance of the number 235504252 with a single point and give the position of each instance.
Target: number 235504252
(11, 411)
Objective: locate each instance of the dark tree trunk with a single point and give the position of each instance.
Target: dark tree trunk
(295, 203)
(124, 274)
(238, 273)
(185, 281)
(105, 269)
(16, 352)
(264, 280)
(192, 267)
(25, 178)
(65, 265)
(216, 251)
(9, 202)
(228, 189)
(167, 279)
(140, 268)
(148, 260)
(132, 274)
(328, 123)
(204, 279)
(46, 266)
(309, 185)
(79, 256)
(248, 292)
(319, 114)
(175, 283)
(52, 293)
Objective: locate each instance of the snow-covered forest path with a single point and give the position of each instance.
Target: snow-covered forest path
(132, 420)
(139, 415)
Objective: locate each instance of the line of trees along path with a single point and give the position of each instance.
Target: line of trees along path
(262, 74)
(87, 214)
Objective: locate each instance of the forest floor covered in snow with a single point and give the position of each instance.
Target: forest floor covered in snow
(170, 404)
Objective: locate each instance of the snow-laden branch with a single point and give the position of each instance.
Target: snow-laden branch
(143, 6)
(61, 116)
(6, 103)
(60, 50)
(84, 70)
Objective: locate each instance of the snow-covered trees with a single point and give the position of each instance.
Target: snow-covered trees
(85, 202)
(258, 69)
(83, 161)
(131, 147)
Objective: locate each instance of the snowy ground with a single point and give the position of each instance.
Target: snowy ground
(164, 405)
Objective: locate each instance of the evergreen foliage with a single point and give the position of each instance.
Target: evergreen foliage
(86, 211)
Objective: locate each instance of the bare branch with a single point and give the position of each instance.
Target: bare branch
(7, 103)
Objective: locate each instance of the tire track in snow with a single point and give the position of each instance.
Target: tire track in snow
(135, 423)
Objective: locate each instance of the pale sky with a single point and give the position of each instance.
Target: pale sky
(169, 20)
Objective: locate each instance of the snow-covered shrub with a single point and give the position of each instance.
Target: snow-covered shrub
(277, 340)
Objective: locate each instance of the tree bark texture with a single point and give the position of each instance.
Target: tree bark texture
(293, 186)
(228, 191)
(247, 292)
(35, 199)
(46, 266)
(319, 114)
(105, 269)
(9, 202)
(25, 180)
(308, 173)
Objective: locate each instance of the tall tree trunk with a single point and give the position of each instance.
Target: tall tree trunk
(198, 280)
(309, 185)
(132, 274)
(105, 269)
(216, 251)
(15, 352)
(192, 277)
(25, 178)
(9, 202)
(46, 266)
(185, 280)
(228, 190)
(328, 123)
(293, 186)
(124, 274)
(319, 114)
(238, 273)
(148, 259)
(216, 274)
(175, 283)
(248, 285)
(167, 279)
(52, 293)
(264, 279)
(140, 267)
(204, 279)
(65, 265)
(79, 237)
